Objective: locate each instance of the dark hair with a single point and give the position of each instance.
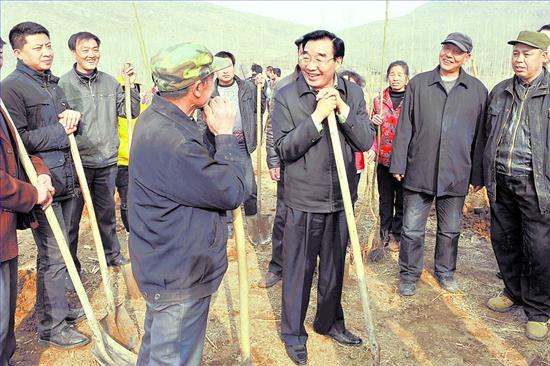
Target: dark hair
(269, 68)
(226, 54)
(81, 36)
(353, 77)
(545, 27)
(277, 71)
(256, 68)
(338, 46)
(401, 63)
(19, 33)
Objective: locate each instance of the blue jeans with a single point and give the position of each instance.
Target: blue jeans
(174, 333)
(8, 295)
(417, 207)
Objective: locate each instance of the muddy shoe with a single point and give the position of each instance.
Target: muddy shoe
(407, 288)
(537, 331)
(68, 337)
(269, 280)
(500, 304)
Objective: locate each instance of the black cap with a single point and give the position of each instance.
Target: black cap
(462, 41)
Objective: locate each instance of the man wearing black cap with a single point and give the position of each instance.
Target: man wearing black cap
(432, 154)
(517, 175)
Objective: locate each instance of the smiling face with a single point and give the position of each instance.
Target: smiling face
(36, 53)
(87, 55)
(451, 58)
(527, 61)
(318, 63)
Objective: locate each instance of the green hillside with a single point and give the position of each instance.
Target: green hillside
(414, 37)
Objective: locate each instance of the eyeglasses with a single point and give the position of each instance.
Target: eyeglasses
(306, 60)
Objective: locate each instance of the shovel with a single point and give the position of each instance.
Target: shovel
(238, 230)
(117, 322)
(261, 234)
(129, 280)
(106, 350)
(356, 248)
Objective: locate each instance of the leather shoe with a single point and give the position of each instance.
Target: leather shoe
(75, 315)
(449, 284)
(407, 288)
(269, 280)
(297, 353)
(345, 337)
(68, 337)
(117, 262)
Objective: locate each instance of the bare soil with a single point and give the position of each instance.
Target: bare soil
(431, 328)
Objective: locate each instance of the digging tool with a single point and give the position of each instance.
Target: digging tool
(129, 280)
(238, 230)
(356, 248)
(106, 350)
(260, 233)
(117, 321)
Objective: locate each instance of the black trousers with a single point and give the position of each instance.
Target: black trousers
(306, 237)
(101, 182)
(520, 236)
(417, 207)
(8, 297)
(276, 263)
(122, 178)
(390, 192)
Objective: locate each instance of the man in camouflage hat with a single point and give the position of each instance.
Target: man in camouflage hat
(517, 175)
(182, 182)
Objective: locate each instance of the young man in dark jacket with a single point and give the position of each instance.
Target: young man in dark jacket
(315, 219)
(182, 182)
(100, 99)
(516, 164)
(432, 154)
(40, 111)
(17, 197)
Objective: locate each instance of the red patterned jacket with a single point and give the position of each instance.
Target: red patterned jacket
(388, 126)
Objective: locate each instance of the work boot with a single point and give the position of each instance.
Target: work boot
(269, 280)
(68, 337)
(537, 331)
(500, 303)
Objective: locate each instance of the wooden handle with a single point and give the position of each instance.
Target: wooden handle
(238, 229)
(60, 238)
(128, 109)
(350, 219)
(93, 222)
(259, 148)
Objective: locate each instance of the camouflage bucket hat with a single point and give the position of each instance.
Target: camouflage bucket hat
(179, 66)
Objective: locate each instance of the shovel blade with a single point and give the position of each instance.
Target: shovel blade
(121, 330)
(113, 354)
(130, 281)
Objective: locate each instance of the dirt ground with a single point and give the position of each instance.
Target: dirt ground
(431, 328)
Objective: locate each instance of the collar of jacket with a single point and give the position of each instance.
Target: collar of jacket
(169, 109)
(85, 79)
(542, 89)
(42, 77)
(463, 78)
(304, 88)
(237, 79)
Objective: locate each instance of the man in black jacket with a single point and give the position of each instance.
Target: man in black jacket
(182, 182)
(432, 154)
(40, 111)
(315, 219)
(516, 164)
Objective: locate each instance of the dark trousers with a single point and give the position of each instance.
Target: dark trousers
(390, 191)
(101, 182)
(417, 207)
(51, 304)
(276, 263)
(520, 235)
(8, 296)
(174, 333)
(306, 237)
(122, 178)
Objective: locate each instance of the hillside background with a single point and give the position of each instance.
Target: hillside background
(414, 37)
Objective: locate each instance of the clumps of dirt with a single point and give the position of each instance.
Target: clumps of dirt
(24, 313)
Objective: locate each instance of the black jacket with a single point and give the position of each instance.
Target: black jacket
(34, 101)
(179, 190)
(436, 135)
(311, 180)
(538, 109)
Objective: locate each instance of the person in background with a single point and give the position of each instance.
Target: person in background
(546, 30)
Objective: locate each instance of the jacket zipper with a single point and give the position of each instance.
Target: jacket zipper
(516, 130)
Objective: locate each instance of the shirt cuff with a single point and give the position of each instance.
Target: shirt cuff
(318, 124)
(343, 115)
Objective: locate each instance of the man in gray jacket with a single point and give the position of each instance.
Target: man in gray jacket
(100, 99)
(433, 153)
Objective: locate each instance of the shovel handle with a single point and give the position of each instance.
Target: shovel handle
(238, 229)
(350, 219)
(93, 222)
(259, 148)
(128, 110)
(60, 238)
